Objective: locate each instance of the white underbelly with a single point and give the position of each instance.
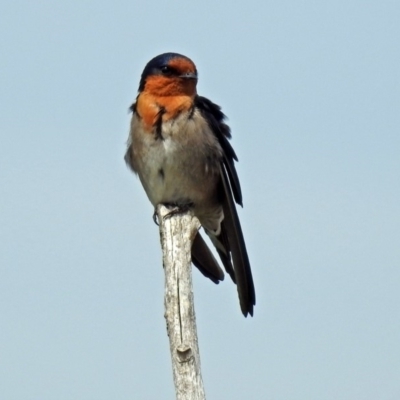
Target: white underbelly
(170, 175)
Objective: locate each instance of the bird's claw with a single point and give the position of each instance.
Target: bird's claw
(155, 217)
(177, 209)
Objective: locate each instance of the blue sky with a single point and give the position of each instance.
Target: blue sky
(312, 92)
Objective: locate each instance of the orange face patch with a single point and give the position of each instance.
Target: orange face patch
(173, 85)
(159, 85)
(183, 65)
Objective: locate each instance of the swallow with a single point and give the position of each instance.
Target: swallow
(179, 147)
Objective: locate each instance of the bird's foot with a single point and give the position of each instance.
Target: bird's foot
(177, 209)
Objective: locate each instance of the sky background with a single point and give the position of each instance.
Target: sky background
(312, 92)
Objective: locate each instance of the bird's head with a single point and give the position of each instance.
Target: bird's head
(169, 74)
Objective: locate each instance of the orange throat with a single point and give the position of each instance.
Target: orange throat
(151, 107)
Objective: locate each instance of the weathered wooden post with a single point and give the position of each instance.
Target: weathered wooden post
(177, 234)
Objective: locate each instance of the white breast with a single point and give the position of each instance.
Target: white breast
(181, 166)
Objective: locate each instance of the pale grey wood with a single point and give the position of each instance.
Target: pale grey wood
(177, 233)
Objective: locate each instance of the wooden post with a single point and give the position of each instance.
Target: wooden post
(177, 234)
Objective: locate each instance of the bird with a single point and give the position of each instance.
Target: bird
(179, 147)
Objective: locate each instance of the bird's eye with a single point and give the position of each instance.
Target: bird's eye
(166, 70)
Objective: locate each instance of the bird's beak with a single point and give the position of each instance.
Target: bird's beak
(189, 75)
